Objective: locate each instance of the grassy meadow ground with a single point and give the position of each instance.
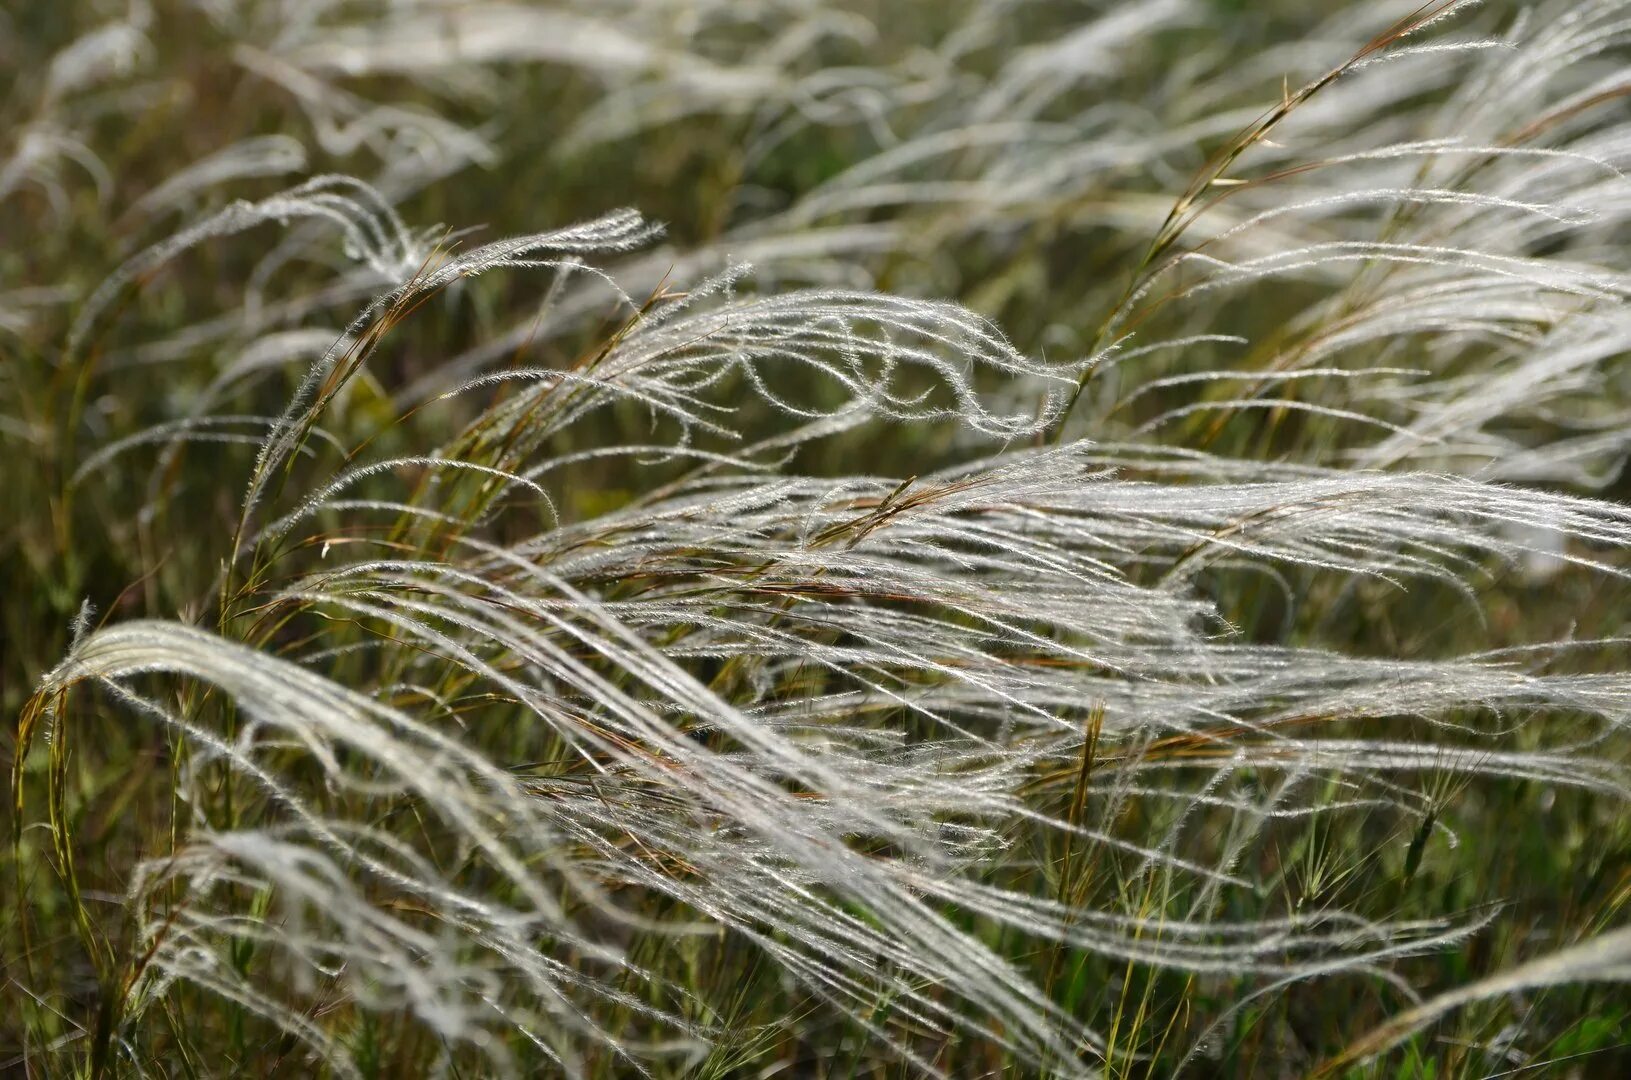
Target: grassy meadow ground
(837, 538)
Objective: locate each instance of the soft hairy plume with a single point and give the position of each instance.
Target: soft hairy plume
(534, 673)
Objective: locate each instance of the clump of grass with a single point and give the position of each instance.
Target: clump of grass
(588, 652)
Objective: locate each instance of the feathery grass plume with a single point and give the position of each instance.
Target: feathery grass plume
(1602, 959)
(1494, 269)
(567, 654)
(772, 700)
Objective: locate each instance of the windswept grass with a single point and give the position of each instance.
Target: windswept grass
(1060, 539)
